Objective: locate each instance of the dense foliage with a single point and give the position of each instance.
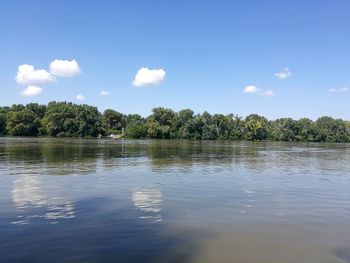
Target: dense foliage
(68, 119)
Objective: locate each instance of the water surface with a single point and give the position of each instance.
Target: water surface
(76, 200)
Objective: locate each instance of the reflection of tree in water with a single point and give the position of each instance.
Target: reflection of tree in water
(183, 153)
(59, 156)
(29, 196)
(65, 156)
(149, 201)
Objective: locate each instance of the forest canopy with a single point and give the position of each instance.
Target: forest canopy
(65, 119)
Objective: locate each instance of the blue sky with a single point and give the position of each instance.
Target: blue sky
(201, 55)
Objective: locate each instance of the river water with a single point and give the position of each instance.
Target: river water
(76, 200)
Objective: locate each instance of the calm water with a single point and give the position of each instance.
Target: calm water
(73, 200)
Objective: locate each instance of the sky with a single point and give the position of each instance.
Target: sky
(273, 58)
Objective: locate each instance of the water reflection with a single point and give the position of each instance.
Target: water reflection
(173, 201)
(27, 192)
(104, 232)
(78, 156)
(33, 202)
(149, 201)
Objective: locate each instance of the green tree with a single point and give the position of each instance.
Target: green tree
(68, 119)
(285, 129)
(39, 112)
(136, 130)
(154, 129)
(2, 122)
(183, 119)
(21, 123)
(307, 130)
(165, 117)
(238, 127)
(113, 121)
(162, 123)
(89, 121)
(255, 127)
(16, 107)
(331, 130)
(135, 126)
(223, 125)
(195, 127)
(60, 119)
(37, 109)
(131, 119)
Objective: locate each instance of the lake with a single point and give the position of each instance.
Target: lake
(80, 200)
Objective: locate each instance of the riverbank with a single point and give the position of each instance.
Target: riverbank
(64, 119)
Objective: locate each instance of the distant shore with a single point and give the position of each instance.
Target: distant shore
(65, 119)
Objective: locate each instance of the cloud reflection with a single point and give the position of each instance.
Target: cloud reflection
(27, 192)
(148, 201)
(33, 202)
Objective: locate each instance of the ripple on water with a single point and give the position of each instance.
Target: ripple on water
(237, 201)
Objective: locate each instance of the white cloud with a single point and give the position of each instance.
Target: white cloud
(269, 93)
(104, 93)
(80, 97)
(339, 90)
(27, 74)
(250, 89)
(284, 74)
(147, 77)
(31, 91)
(254, 90)
(64, 68)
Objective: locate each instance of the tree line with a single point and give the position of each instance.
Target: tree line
(65, 119)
